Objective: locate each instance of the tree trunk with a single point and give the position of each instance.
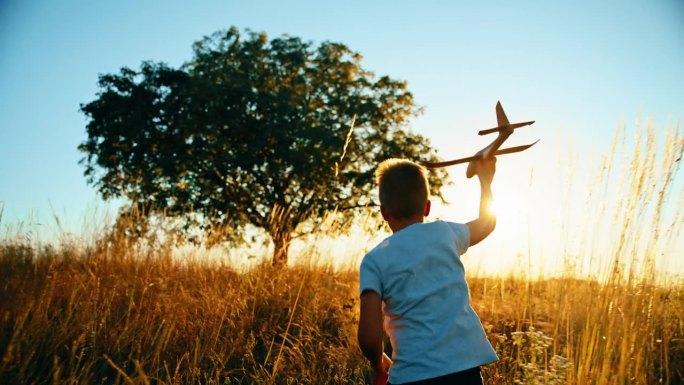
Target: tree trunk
(281, 243)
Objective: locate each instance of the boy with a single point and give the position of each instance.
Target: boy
(416, 278)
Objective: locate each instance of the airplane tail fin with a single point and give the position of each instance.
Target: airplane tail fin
(501, 118)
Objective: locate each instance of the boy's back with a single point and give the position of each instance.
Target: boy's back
(415, 277)
(419, 276)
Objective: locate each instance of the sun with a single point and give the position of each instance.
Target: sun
(511, 205)
(507, 206)
(499, 208)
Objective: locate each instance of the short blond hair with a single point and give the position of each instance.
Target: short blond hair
(403, 186)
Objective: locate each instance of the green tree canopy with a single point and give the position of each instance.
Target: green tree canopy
(249, 131)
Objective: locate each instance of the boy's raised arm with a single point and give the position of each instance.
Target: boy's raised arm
(481, 227)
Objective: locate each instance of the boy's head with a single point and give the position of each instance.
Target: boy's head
(404, 189)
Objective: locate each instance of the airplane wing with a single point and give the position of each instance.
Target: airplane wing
(501, 118)
(502, 151)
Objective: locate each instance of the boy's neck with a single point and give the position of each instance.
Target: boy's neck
(396, 224)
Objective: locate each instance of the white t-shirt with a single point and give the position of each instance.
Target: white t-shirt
(418, 273)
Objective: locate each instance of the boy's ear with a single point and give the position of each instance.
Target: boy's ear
(385, 214)
(428, 204)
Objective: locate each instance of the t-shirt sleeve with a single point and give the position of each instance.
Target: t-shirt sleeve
(369, 277)
(461, 236)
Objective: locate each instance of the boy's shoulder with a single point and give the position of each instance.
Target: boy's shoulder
(421, 234)
(427, 231)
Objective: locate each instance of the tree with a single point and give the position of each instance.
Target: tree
(249, 131)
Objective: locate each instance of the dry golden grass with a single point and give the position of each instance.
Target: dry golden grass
(95, 318)
(70, 318)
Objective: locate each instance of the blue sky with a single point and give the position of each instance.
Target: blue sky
(575, 67)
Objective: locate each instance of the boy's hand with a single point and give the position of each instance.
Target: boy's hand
(485, 169)
(381, 374)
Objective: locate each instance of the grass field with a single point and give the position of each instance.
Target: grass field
(100, 317)
(108, 312)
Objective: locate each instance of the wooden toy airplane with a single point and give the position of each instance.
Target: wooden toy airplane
(505, 129)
